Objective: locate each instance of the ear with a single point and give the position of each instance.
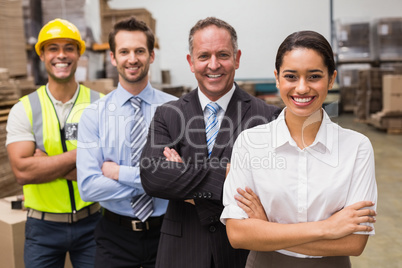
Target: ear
(152, 56)
(42, 58)
(237, 60)
(112, 58)
(276, 79)
(332, 80)
(190, 62)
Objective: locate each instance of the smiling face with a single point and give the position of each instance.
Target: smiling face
(303, 82)
(213, 61)
(132, 59)
(60, 57)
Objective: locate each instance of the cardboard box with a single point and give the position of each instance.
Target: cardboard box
(12, 44)
(389, 121)
(392, 93)
(81, 73)
(369, 92)
(12, 234)
(104, 85)
(71, 10)
(354, 40)
(110, 16)
(389, 38)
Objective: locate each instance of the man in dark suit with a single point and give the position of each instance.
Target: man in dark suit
(189, 146)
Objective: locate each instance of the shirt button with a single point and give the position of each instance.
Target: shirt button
(300, 210)
(195, 195)
(212, 229)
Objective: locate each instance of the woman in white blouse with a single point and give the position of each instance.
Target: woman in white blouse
(314, 179)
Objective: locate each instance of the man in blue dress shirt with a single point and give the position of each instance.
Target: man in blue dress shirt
(108, 156)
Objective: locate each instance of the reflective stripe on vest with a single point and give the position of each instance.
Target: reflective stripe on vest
(54, 196)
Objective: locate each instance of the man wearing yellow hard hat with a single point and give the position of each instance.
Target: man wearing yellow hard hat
(41, 144)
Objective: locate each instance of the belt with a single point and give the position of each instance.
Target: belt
(65, 217)
(133, 224)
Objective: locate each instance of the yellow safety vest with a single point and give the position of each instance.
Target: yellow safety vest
(60, 195)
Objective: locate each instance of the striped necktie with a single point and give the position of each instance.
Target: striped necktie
(142, 204)
(138, 132)
(211, 123)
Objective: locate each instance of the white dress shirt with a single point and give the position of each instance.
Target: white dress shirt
(223, 102)
(300, 185)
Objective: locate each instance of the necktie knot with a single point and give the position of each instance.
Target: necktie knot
(212, 108)
(136, 103)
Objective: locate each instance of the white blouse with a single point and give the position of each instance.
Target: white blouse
(296, 185)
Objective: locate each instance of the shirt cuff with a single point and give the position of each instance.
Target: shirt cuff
(130, 176)
(233, 212)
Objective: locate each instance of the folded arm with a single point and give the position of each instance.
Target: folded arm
(175, 180)
(350, 245)
(332, 237)
(32, 166)
(256, 234)
(100, 178)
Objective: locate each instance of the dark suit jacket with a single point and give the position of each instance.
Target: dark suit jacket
(193, 236)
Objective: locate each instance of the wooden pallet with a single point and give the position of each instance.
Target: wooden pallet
(5, 107)
(395, 131)
(390, 122)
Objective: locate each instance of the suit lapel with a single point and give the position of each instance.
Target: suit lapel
(237, 109)
(195, 124)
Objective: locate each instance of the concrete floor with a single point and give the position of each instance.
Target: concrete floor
(384, 250)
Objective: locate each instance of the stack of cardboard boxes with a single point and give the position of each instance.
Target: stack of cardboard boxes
(389, 38)
(8, 97)
(12, 42)
(354, 40)
(71, 10)
(110, 16)
(13, 81)
(348, 76)
(390, 118)
(369, 92)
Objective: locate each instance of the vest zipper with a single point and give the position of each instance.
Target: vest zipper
(69, 183)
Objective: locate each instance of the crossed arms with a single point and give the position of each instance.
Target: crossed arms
(33, 166)
(331, 237)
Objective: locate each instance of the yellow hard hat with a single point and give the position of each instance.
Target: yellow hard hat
(59, 28)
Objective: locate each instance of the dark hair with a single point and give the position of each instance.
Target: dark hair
(131, 24)
(201, 24)
(310, 40)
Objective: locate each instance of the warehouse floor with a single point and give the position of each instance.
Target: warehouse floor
(384, 250)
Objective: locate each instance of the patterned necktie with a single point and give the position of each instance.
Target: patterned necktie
(138, 132)
(212, 126)
(142, 204)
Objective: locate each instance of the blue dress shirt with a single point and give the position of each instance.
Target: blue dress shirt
(104, 135)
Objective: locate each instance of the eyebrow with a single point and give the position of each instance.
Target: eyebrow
(310, 71)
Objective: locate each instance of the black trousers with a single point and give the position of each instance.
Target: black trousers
(117, 246)
(258, 259)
